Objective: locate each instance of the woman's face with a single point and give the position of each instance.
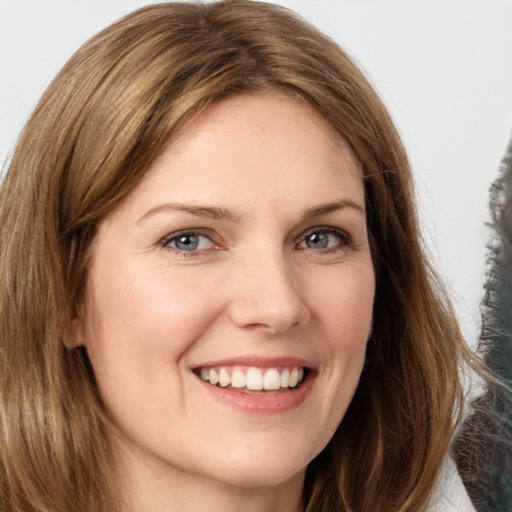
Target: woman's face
(241, 261)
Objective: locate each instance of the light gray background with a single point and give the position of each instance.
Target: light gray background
(443, 67)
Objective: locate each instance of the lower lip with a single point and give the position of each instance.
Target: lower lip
(271, 403)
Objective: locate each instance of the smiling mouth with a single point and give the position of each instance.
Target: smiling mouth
(254, 379)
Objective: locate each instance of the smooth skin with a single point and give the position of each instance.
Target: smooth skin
(246, 238)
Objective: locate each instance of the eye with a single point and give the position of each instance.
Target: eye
(325, 239)
(188, 241)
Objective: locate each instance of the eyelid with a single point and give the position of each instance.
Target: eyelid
(346, 238)
(200, 232)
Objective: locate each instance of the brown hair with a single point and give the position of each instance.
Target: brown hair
(102, 122)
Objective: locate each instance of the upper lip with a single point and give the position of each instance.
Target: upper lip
(259, 362)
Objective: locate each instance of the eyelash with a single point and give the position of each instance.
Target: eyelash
(345, 240)
(165, 242)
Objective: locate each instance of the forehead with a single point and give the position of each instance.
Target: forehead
(265, 149)
(248, 118)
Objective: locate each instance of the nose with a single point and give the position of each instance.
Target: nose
(267, 295)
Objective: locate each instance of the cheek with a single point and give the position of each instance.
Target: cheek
(345, 306)
(140, 325)
(155, 310)
(346, 319)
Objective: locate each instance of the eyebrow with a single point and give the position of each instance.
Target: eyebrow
(215, 213)
(325, 209)
(204, 212)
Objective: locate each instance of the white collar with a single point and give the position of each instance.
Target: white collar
(450, 494)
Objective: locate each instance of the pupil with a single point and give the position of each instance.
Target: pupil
(187, 242)
(317, 241)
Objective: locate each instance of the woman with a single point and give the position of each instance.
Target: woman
(213, 290)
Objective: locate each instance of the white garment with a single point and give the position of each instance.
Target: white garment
(450, 494)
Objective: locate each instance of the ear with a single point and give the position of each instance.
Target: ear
(73, 336)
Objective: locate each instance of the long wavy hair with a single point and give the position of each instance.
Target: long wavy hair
(95, 132)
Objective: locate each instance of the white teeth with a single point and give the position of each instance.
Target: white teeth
(254, 379)
(285, 378)
(238, 379)
(294, 377)
(213, 377)
(224, 379)
(271, 380)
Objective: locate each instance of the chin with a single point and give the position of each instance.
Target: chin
(263, 476)
(270, 465)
